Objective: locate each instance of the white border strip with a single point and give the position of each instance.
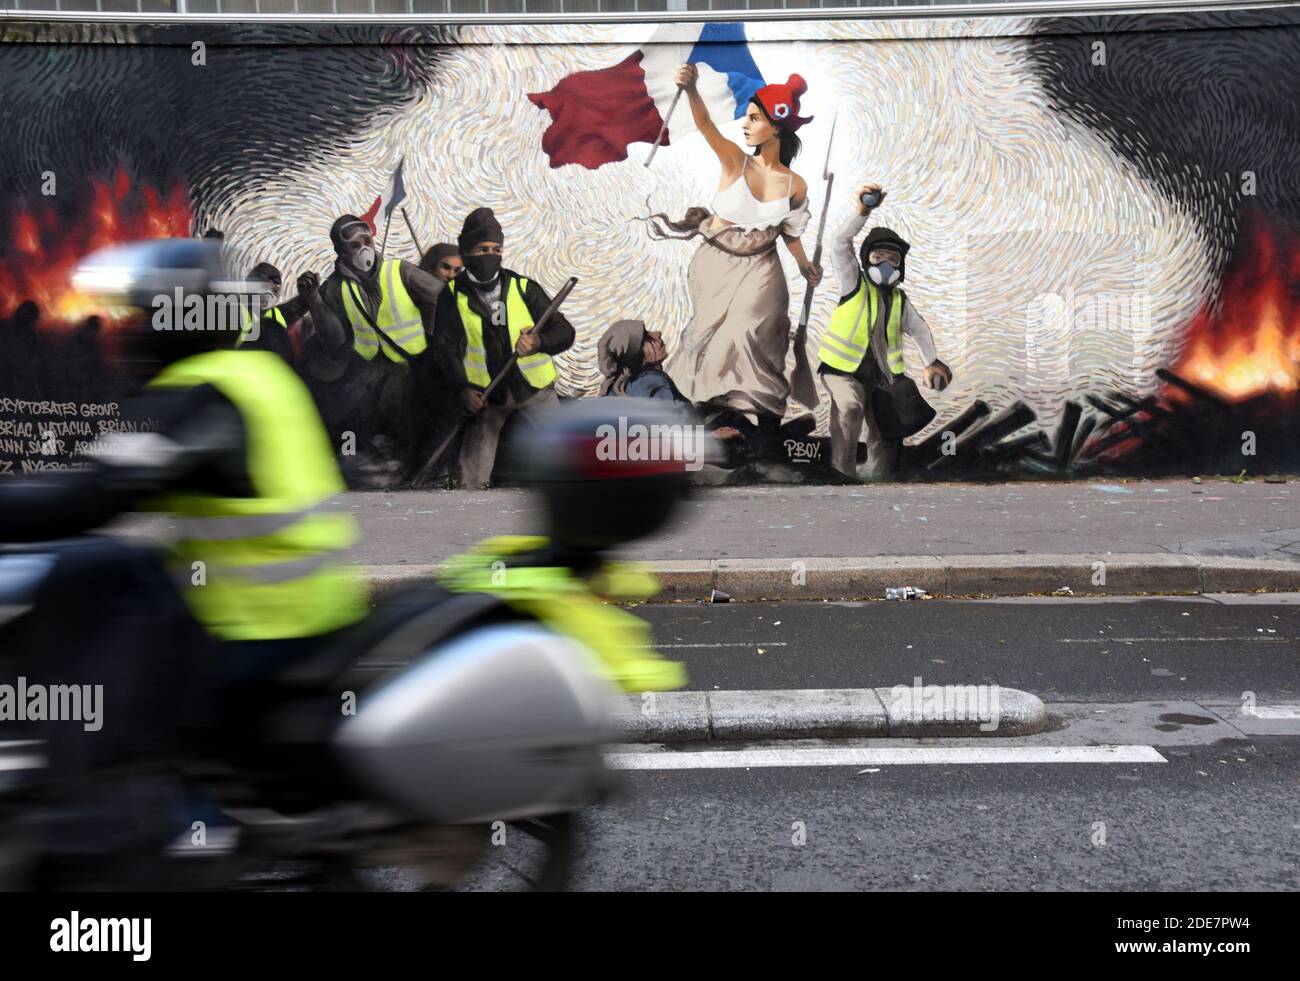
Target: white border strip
(866, 756)
(1044, 8)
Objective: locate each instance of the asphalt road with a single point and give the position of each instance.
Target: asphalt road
(1211, 818)
(1060, 650)
(1212, 808)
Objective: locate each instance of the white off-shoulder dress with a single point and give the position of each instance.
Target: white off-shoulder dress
(739, 334)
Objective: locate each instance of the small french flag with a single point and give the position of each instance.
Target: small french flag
(393, 195)
(595, 115)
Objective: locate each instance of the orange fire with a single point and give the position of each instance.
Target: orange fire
(1251, 343)
(44, 248)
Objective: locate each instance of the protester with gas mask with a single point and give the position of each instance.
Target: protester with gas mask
(372, 321)
(862, 349)
(484, 317)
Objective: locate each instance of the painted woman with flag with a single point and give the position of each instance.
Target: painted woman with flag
(739, 334)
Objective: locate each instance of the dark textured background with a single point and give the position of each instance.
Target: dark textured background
(1192, 102)
(268, 98)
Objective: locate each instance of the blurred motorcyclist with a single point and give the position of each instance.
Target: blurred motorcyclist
(596, 497)
(229, 443)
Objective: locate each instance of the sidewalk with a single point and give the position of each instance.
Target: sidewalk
(1155, 536)
(953, 539)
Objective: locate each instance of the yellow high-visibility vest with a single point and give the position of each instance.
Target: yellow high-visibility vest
(397, 316)
(622, 642)
(538, 369)
(274, 313)
(847, 339)
(267, 566)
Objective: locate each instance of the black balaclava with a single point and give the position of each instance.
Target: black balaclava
(342, 224)
(878, 238)
(481, 225)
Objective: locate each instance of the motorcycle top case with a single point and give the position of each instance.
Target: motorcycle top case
(505, 722)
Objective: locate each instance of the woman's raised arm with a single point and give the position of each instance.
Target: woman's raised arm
(728, 153)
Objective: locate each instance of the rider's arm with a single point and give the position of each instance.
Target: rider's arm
(199, 440)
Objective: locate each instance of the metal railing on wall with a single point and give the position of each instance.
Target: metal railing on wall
(311, 8)
(565, 10)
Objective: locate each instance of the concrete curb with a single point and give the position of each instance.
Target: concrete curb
(1125, 574)
(901, 711)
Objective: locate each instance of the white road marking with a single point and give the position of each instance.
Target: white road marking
(867, 756)
(1277, 712)
(738, 643)
(650, 647)
(1103, 639)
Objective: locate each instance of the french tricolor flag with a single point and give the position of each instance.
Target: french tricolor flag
(595, 115)
(393, 195)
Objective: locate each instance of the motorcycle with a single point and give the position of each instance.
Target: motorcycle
(429, 733)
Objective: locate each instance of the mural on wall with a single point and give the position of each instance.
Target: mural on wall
(903, 249)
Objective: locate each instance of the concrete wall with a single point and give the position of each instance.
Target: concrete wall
(1089, 203)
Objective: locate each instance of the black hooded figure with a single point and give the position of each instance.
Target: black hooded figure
(24, 358)
(369, 356)
(851, 385)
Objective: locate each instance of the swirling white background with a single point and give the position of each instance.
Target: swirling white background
(1045, 266)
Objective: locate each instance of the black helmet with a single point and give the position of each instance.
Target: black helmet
(153, 283)
(885, 238)
(610, 469)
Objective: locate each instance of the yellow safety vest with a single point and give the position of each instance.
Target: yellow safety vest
(847, 339)
(274, 314)
(267, 566)
(538, 369)
(573, 607)
(397, 316)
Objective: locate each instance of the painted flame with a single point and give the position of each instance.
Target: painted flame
(44, 248)
(1250, 343)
